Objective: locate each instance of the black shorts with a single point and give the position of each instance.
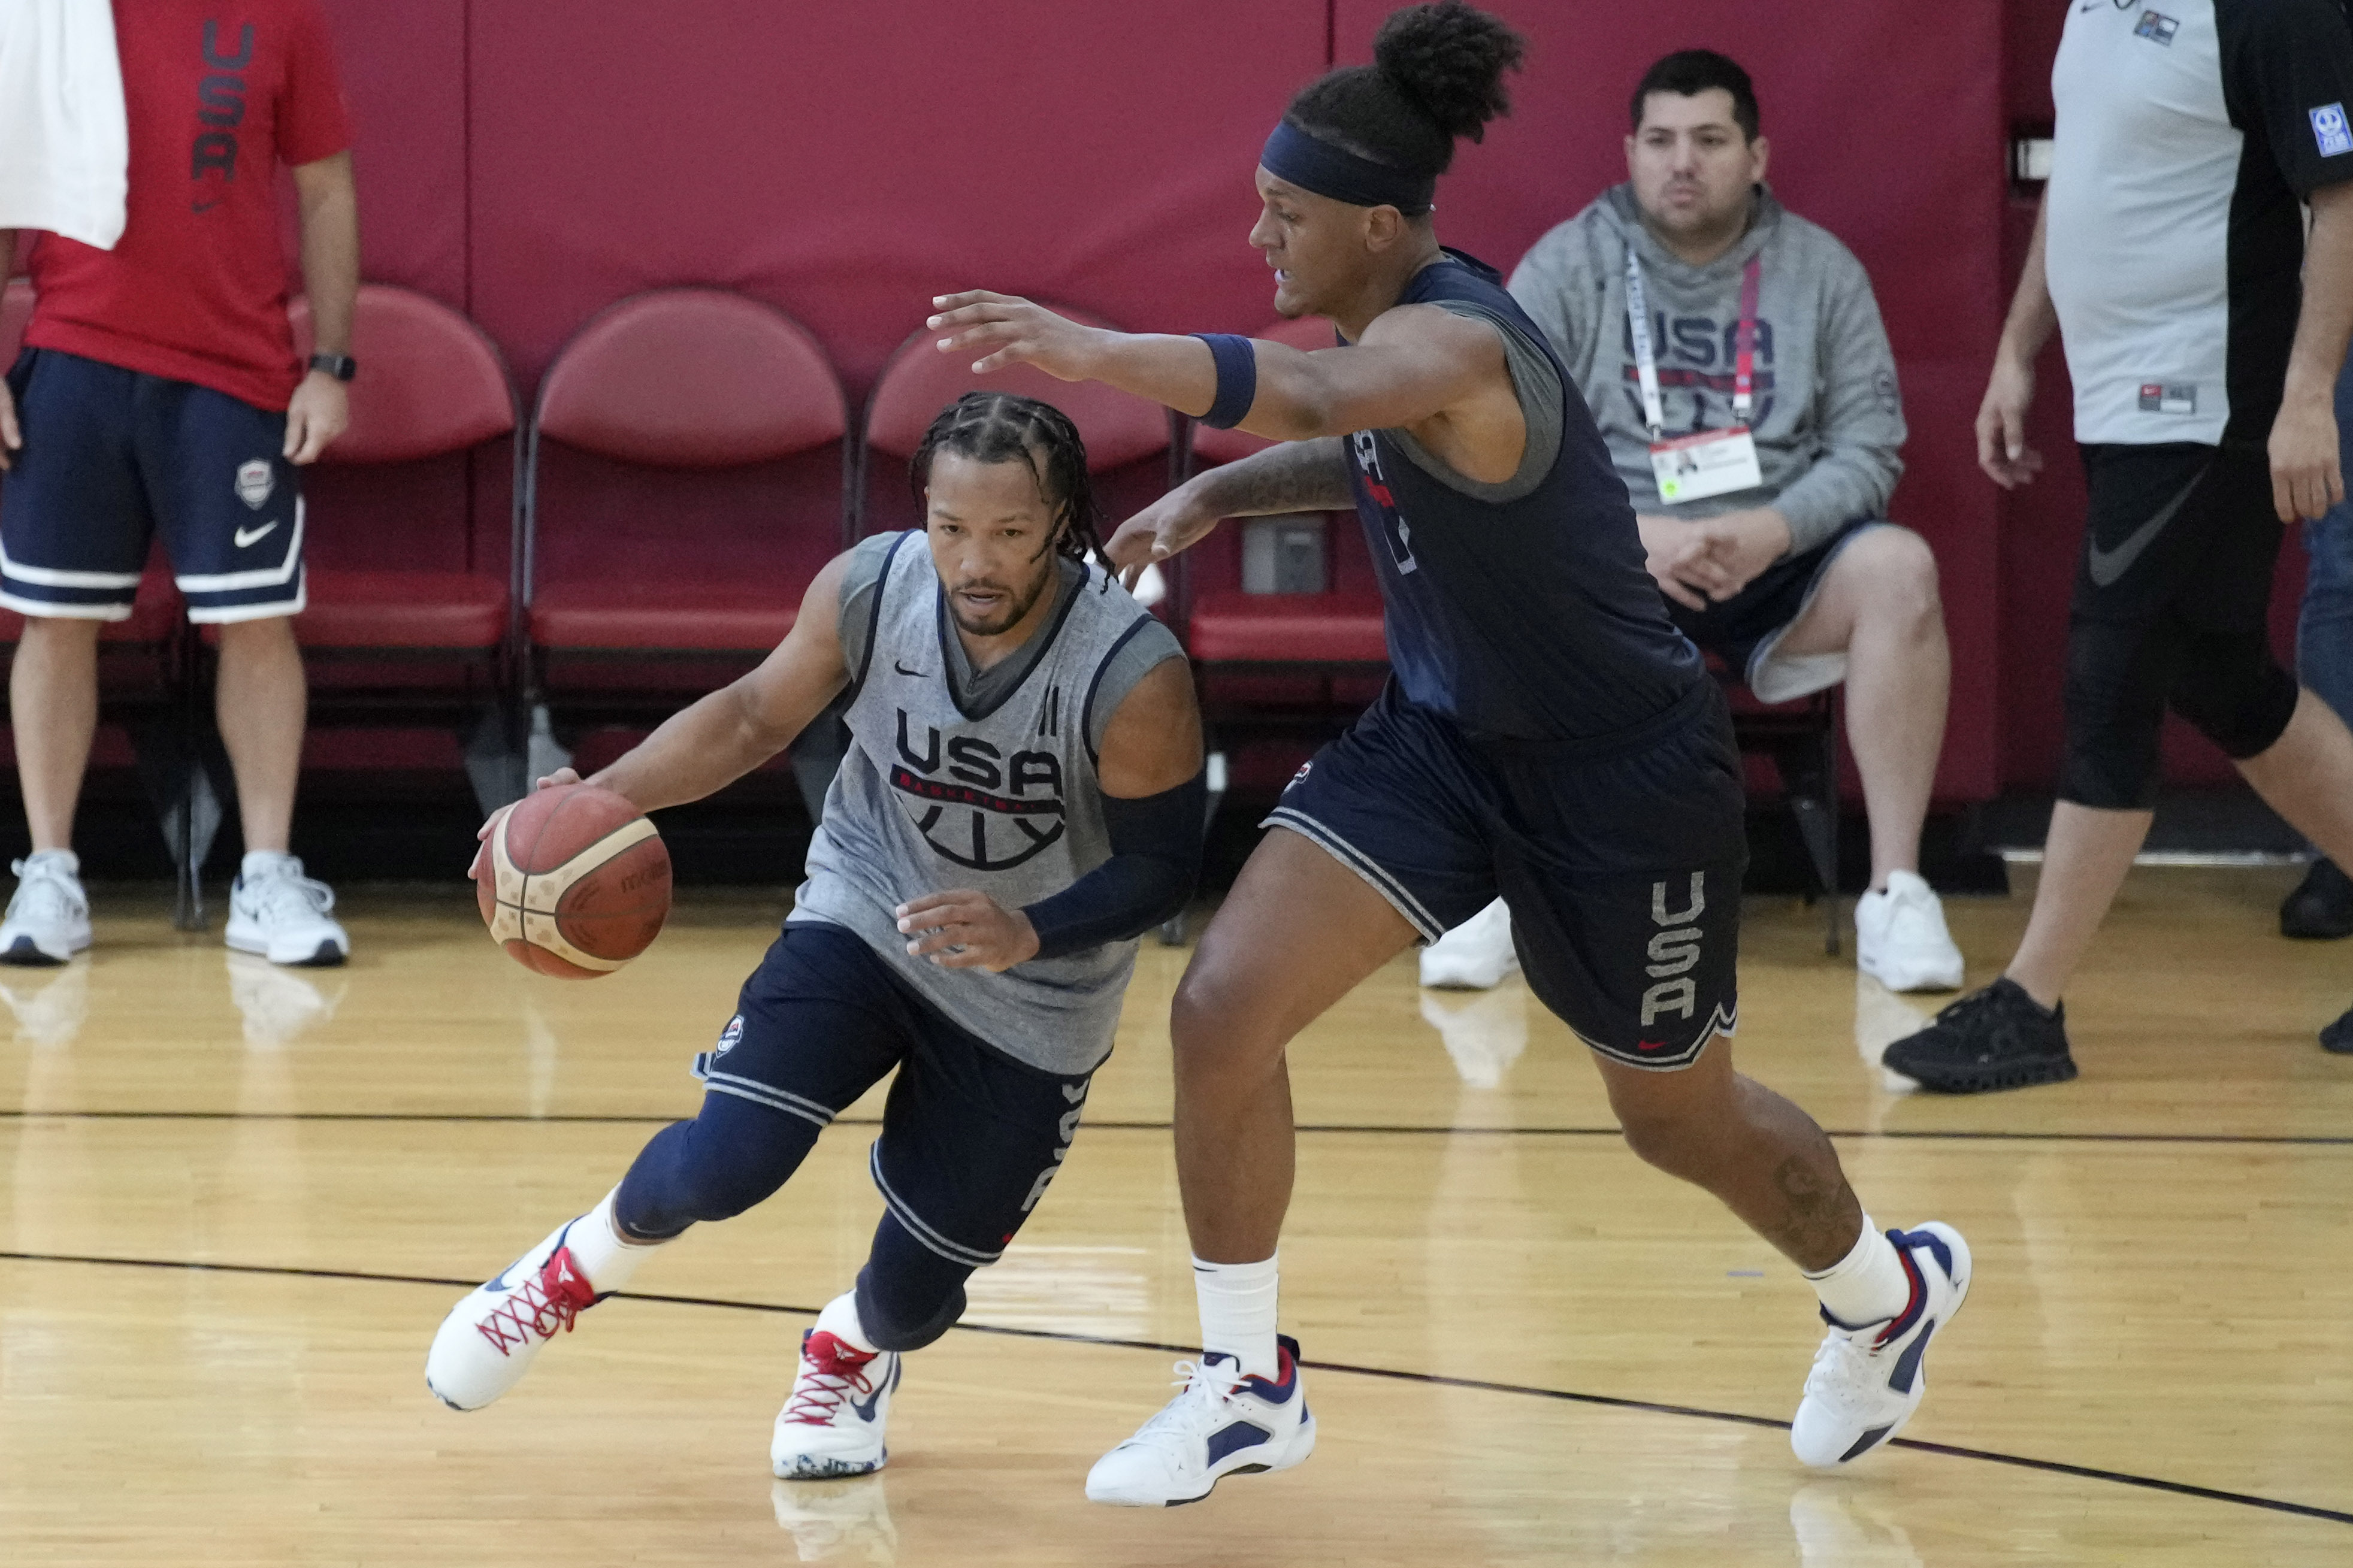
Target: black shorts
(1746, 630)
(113, 458)
(970, 1137)
(1620, 857)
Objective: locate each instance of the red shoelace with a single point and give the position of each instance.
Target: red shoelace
(541, 1306)
(837, 1372)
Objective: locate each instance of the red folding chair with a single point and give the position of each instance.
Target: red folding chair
(685, 482)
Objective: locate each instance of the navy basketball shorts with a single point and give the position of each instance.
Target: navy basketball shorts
(1746, 630)
(112, 458)
(1621, 859)
(971, 1138)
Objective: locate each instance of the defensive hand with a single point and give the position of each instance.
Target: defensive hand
(2307, 478)
(2003, 451)
(967, 929)
(321, 410)
(1008, 331)
(1172, 523)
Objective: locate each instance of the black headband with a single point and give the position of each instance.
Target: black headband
(1294, 156)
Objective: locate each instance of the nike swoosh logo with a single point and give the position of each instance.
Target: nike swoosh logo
(2107, 565)
(246, 536)
(903, 669)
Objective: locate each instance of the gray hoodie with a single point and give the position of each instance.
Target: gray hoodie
(1828, 453)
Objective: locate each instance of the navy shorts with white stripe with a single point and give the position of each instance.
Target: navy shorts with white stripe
(113, 457)
(971, 1138)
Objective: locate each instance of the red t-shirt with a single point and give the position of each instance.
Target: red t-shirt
(219, 92)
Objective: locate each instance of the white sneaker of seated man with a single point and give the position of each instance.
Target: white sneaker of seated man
(1474, 955)
(1220, 1424)
(280, 914)
(48, 918)
(1900, 938)
(833, 1424)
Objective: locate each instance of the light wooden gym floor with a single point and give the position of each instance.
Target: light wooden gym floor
(241, 1199)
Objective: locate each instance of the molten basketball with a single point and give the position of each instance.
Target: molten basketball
(577, 883)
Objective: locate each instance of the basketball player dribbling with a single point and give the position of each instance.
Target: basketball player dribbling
(1547, 734)
(1023, 734)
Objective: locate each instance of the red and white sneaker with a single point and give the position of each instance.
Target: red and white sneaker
(486, 1342)
(832, 1425)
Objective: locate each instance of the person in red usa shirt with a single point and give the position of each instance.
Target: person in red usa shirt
(159, 394)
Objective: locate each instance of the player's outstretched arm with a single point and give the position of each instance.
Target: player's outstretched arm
(1154, 804)
(1413, 364)
(1297, 476)
(725, 735)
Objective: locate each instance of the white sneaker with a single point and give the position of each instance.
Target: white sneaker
(1867, 1380)
(1216, 1427)
(1900, 938)
(49, 919)
(1474, 955)
(832, 1425)
(486, 1342)
(281, 914)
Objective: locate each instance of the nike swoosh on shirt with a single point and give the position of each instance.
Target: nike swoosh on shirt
(903, 669)
(2107, 565)
(244, 536)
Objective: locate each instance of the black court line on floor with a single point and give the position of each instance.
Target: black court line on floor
(1899, 1134)
(1478, 1386)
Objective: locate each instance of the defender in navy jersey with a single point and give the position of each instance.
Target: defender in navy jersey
(1547, 734)
(1022, 797)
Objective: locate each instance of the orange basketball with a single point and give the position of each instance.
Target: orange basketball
(577, 883)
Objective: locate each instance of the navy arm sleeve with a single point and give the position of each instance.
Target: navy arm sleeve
(1155, 858)
(2287, 78)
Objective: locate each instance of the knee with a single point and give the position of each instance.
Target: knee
(908, 1296)
(1899, 573)
(1660, 1141)
(2236, 695)
(1209, 1023)
(245, 639)
(60, 634)
(2114, 701)
(695, 1170)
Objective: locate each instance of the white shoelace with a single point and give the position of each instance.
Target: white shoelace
(1842, 1373)
(1194, 1411)
(282, 896)
(44, 892)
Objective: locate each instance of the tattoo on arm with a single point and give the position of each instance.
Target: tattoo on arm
(1297, 476)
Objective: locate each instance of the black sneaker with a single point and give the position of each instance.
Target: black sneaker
(2338, 1036)
(2321, 908)
(1990, 1039)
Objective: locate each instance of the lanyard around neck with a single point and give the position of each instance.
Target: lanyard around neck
(1646, 358)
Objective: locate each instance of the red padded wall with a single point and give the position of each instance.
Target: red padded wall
(848, 161)
(1902, 161)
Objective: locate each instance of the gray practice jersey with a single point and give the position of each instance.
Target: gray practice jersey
(985, 782)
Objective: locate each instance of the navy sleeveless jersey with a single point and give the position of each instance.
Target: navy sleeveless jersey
(1532, 617)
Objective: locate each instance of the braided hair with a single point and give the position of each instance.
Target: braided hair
(1436, 74)
(1004, 428)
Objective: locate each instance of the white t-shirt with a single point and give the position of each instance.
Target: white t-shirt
(65, 140)
(2189, 133)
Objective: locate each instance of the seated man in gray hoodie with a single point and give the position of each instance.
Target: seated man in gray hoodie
(1748, 397)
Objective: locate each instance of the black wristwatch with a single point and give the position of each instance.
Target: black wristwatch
(342, 367)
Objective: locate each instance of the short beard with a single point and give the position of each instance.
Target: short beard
(1014, 612)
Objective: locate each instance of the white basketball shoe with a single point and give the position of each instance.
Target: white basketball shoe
(1867, 1380)
(1474, 955)
(490, 1338)
(48, 918)
(1900, 938)
(280, 914)
(833, 1424)
(1217, 1427)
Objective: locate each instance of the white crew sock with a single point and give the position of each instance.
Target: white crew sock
(597, 1246)
(1238, 1303)
(841, 1320)
(1869, 1285)
(65, 857)
(258, 861)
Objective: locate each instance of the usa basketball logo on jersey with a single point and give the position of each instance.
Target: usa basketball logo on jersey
(962, 816)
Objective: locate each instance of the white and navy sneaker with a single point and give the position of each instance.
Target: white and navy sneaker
(1900, 938)
(48, 918)
(486, 1342)
(280, 914)
(1867, 1380)
(832, 1425)
(1217, 1428)
(1474, 955)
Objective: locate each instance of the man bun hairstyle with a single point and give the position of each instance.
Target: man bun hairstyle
(1687, 73)
(1006, 428)
(1437, 75)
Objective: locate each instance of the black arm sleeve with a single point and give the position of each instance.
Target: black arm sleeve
(1155, 858)
(2287, 78)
